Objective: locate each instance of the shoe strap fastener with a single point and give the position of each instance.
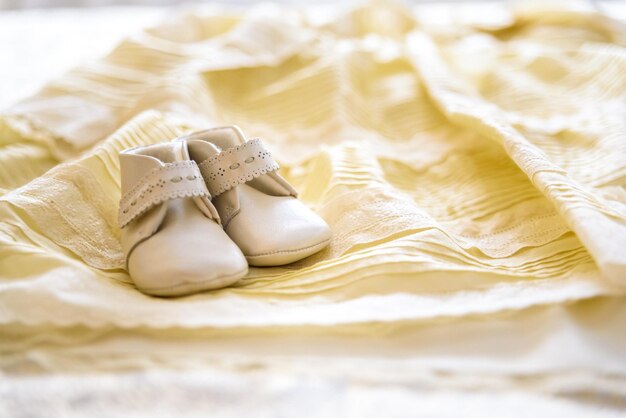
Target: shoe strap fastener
(237, 165)
(169, 181)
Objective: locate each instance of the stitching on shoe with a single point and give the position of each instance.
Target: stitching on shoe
(288, 251)
(163, 169)
(231, 217)
(141, 198)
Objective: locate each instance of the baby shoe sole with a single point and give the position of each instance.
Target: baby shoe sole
(188, 288)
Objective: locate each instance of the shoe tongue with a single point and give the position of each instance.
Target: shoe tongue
(135, 163)
(223, 137)
(200, 150)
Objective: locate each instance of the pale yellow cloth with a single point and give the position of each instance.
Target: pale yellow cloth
(467, 164)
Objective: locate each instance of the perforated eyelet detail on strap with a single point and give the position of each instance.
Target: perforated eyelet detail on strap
(236, 165)
(170, 181)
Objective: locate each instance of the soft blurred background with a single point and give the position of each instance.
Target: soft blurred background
(41, 39)
(25, 4)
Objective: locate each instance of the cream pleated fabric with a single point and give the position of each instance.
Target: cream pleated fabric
(471, 162)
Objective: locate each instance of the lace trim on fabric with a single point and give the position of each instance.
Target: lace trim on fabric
(236, 165)
(170, 181)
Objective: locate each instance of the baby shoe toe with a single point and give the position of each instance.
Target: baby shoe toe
(279, 232)
(185, 259)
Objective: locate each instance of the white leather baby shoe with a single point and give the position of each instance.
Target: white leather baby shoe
(258, 208)
(171, 233)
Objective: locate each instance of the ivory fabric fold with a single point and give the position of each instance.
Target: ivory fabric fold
(469, 164)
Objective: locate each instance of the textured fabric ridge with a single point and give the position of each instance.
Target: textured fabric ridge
(468, 165)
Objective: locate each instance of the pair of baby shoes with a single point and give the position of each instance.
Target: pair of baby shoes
(196, 211)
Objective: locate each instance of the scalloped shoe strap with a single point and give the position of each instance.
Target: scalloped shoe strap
(236, 165)
(170, 181)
